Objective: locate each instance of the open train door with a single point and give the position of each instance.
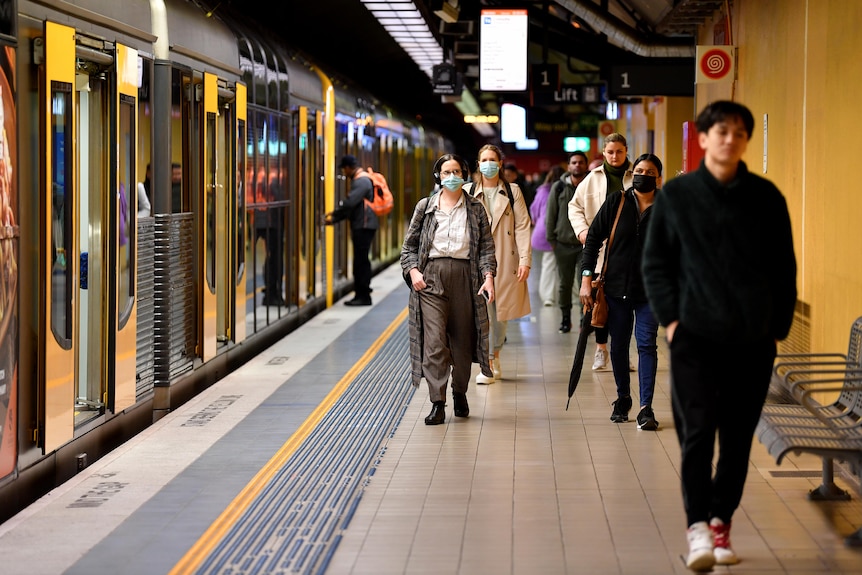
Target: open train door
(88, 241)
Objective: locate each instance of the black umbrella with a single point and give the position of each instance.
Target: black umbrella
(580, 352)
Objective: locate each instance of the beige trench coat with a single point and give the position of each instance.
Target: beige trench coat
(511, 232)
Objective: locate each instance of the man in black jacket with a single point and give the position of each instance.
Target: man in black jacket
(363, 226)
(720, 273)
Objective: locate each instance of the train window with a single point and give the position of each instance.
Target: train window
(126, 214)
(210, 187)
(180, 133)
(61, 213)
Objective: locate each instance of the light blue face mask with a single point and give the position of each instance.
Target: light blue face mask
(489, 169)
(453, 183)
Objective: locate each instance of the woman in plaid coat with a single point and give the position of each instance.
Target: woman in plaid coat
(448, 261)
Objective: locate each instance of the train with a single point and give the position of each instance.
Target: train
(112, 314)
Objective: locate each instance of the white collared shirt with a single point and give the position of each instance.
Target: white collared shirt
(452, 237)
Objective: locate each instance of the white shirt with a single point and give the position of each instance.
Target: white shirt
(452, 237)
(143, 201)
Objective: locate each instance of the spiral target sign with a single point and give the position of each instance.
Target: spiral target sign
(714, 63)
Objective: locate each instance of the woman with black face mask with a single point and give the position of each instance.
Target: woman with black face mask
(627, 302)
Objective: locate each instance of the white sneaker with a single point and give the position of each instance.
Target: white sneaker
(724, 554)
(495, 367)
(700, 555)
(484, 379)
(601, 359)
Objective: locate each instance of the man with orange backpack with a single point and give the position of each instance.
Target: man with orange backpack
(363, 226)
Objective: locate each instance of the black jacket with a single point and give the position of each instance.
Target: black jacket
(353, 206)
(623, 274)
(558, 228)
(720, 258)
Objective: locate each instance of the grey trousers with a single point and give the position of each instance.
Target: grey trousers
(448, 326)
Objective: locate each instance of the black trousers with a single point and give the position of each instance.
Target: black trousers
(716, 387)
(362, 239)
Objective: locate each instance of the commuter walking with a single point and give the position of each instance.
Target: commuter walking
(363, 226)
(720, 273)
(622, 222)
(567, 248)
(510, 226)
(613, 175)
(549, 280)
(448, 262)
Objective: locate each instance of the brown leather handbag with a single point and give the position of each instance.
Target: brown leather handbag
(600, 302)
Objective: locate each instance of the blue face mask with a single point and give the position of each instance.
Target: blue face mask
(489, 169)
(453, 183)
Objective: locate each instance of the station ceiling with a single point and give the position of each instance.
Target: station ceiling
(585, 38)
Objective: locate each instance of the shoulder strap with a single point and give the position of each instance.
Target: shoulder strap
(509, 193)
(613, 231)
(365, 174)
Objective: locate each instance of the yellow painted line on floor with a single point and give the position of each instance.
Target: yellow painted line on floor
(212, 536)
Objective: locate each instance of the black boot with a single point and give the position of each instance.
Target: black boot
(462, 408)
(621, 409)
(566, 326)
(437, 415)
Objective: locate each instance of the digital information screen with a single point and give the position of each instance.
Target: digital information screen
(503, 50)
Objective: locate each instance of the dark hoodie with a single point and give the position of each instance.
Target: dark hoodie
(719, 258)
(557, 224)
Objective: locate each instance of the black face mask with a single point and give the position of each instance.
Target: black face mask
(644, 183)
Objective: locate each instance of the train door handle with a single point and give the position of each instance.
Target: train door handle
(84, 268)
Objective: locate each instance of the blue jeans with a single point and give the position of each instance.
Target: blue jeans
(622, 315)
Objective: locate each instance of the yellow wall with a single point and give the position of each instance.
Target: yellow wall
(668, 116)
(796, 66)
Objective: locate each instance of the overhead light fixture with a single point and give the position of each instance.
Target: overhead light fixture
(405, 24)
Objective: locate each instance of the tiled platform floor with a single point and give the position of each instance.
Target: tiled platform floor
(523, 486)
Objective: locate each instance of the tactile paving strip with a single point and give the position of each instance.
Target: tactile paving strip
(295, 524)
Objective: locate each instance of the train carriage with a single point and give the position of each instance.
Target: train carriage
(110, 318)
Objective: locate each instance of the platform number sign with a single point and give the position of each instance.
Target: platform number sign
(651, 80)
(545, 77)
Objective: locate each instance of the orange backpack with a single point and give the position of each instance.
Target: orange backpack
(383, 202)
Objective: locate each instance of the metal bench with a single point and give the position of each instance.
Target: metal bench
(789, 366)
(832, 432)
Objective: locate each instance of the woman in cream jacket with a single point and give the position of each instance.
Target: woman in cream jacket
(510, 227)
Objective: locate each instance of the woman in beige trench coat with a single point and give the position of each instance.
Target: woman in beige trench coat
(510, 227)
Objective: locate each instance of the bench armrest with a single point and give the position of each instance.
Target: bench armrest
(850, 384)
(809, 356)
(839, 375)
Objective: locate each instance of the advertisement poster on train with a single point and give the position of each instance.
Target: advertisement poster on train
(8, 265)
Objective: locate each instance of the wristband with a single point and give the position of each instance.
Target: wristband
(586, 273)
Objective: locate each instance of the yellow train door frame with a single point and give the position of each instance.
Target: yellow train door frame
(60, 266)
(238, 263)
(125, 334)
(207, 250)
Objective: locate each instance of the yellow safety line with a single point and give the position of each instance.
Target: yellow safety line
(212, 536)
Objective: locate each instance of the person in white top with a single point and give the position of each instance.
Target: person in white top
(613, 175)
(510, 226)
(144, 188)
